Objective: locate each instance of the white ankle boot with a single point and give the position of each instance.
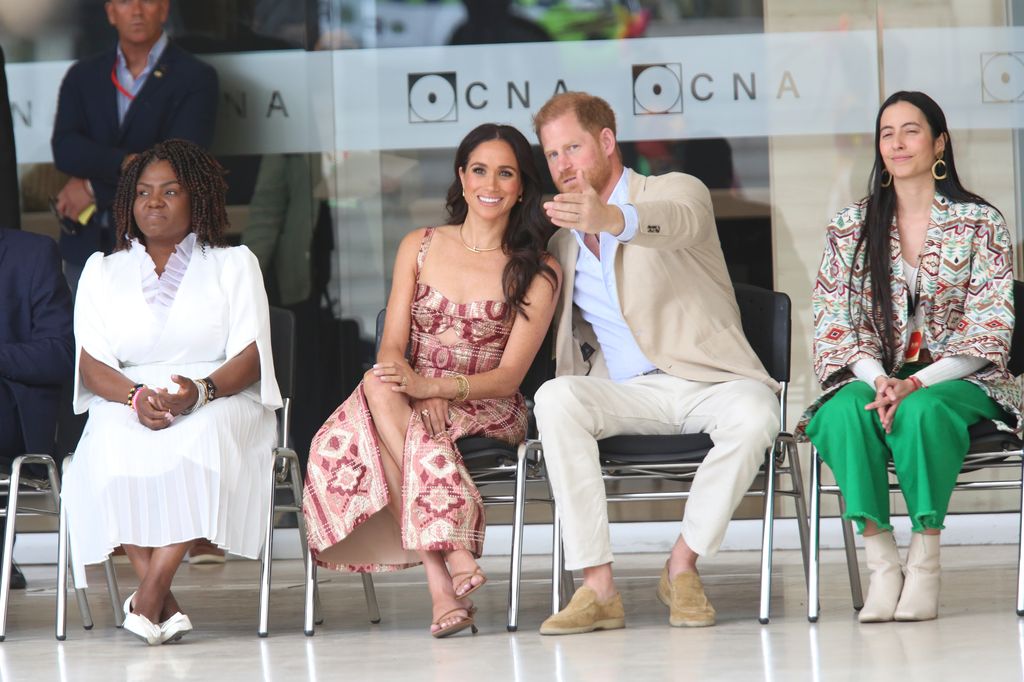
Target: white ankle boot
(920, 598)
(886, 578)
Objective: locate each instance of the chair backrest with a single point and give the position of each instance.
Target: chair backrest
(282, 340)
(541, 369)
(1016, 364)
(767, 324)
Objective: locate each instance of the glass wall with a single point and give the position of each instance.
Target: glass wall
(338, 120)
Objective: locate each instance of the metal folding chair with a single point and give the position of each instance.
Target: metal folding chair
(766, 323)
(286, 474)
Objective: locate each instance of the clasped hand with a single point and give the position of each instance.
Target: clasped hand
(889, 393)
(404, 379)
(584, 210)
(158, 408)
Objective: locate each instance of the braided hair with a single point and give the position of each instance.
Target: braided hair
(202, 178)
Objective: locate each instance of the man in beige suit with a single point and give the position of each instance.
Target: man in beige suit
(648, 341)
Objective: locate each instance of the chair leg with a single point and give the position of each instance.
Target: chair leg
(114, 592)
(61, 619)
(268, 554)
(307, 625)
(371, 599)
(80, 597)
(556, 561)
(515, 572)
(766, 537)
(852, 567)
(8, 558)
(813, 608)
(1020, 545)
(797, 476)
(295, 474)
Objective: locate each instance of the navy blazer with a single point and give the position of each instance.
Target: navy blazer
(36, 342)
(178, 100)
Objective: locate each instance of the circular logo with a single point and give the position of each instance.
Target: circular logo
(657, 90)
(432, 98)
(1003, 77)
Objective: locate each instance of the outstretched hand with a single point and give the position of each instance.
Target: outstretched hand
(584, 210)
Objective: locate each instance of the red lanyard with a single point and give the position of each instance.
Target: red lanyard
(117, 83)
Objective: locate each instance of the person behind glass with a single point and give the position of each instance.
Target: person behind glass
(174, 366)
(470, 303)
(115, 104)
(648, 340)
(913, 310)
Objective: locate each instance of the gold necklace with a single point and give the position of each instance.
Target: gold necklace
(474, 249)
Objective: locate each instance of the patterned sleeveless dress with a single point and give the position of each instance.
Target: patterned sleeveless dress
(346, 492)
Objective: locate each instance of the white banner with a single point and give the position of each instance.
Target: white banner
(408, 98)
(975, 74)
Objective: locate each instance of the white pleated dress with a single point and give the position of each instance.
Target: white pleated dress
(207, 474)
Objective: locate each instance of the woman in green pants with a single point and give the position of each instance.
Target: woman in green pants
(913, 313)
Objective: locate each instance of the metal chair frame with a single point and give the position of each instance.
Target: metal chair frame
(286, 474)
(783, 458)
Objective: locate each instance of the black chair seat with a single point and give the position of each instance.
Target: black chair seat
(480, 452)
(675, 449)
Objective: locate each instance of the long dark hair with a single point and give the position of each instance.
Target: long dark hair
(528, 230)
(880, 209)
(198, 172)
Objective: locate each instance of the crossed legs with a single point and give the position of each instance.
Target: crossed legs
(391, 414)
(155, 567)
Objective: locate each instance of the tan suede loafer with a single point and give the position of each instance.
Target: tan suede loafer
(684, 596)
(584, 613)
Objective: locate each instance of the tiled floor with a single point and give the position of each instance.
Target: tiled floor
(977, 636)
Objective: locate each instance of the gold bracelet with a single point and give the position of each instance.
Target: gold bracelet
(463, 391)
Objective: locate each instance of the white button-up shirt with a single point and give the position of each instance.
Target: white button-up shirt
(595, 293)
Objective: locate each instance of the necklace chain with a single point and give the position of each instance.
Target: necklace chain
(474, 249)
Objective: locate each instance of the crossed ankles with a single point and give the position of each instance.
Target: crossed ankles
(165, 632)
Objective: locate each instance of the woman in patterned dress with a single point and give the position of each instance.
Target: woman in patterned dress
(913, 310)
(470, 304)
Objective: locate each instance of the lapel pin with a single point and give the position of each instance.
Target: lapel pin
(158, 73)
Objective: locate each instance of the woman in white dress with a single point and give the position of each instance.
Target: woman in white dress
(174, 366)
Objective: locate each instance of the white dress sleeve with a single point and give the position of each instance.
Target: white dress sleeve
(90, 329)
(950, 368)
(249, 320)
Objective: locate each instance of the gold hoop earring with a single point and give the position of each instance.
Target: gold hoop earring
(886, 178)
(935, 169)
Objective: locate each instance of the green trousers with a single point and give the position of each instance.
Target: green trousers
(927, 447)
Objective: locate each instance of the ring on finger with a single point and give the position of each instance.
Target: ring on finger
(425, 413)
(404, 381)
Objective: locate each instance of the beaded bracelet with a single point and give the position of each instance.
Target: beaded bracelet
(131, 395)
(463, 383)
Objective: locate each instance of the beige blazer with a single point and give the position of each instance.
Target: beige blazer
(673, 286)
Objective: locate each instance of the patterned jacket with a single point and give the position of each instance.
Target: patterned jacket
(966, 286)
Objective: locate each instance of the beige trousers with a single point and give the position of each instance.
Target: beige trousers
(573, 413)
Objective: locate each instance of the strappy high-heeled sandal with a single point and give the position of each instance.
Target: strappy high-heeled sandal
(467, 577)
(457, 626)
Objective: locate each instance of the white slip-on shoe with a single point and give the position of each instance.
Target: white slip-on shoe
(143, 628)
(174, 628)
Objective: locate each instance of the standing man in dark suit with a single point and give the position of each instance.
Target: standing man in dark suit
(10, 214)
(36, 347)
(118, 103)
